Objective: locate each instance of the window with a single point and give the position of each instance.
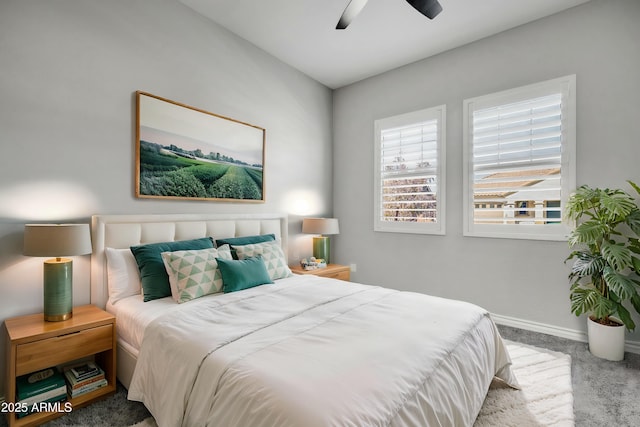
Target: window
(409, 164)
(519, 150)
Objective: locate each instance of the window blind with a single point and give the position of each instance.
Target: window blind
(517, 158)
(409, 172)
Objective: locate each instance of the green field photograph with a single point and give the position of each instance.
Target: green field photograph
(186, 153)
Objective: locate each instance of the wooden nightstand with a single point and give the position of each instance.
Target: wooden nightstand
(33, 344)
(335, 271)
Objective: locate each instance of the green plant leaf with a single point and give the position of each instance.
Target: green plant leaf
(622, 285)
(606, 270)
(635, 187)
(625, 316)
(603, 308)
(634, 245)
(587, 264)
(588, 232)
(633, 221)
(613, 296)
(575, 285)
(617, 204)
(588, 299)
(635, 302)
(572, 255)
(616, 254)
(580, 202)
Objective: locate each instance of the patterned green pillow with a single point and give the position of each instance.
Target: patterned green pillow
(194, 273)
(272, 255)
(153, 274)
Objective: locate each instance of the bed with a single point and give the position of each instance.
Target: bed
(299, 351)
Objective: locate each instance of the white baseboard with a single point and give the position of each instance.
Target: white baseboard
(572, 334)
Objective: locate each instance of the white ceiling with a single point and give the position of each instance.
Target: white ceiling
(385, 35)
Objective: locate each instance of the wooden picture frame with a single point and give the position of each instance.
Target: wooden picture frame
(183, 152)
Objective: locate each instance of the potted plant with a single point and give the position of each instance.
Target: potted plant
(604, 275)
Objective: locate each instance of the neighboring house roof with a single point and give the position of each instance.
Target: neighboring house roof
(483, 189)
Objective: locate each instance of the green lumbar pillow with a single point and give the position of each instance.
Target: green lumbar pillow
(242, 274)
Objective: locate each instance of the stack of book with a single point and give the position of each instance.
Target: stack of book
(47, 385)
(84, 378)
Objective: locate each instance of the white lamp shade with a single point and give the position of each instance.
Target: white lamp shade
(320, 226)
(57, 240)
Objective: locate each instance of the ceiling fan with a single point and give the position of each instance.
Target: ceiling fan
(429, 8)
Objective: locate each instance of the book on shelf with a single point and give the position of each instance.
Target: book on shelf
(32, 407)
(87, 388)
(47, 385)
(75, 383)
(38, 383)
(84, 378)
(84, 370)
(59, 392)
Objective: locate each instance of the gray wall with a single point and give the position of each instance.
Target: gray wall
(70, 68)
(68, 73)
(599, 42)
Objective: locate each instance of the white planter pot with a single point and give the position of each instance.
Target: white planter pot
(606, 342)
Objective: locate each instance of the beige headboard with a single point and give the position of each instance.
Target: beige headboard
(123, 231)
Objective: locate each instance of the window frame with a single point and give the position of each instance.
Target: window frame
(566, 86)
(438, 227)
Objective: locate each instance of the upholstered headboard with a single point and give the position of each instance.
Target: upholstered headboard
(123, 231)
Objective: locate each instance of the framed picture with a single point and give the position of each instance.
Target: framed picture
(183, 152)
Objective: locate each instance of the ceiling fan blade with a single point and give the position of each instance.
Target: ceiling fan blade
(350, 12)
(429, 8)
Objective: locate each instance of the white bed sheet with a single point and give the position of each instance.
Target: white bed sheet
(133, 315)
(318, 352)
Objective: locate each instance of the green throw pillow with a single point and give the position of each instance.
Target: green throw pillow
(242, 274)
(244, 240)
(153, 275)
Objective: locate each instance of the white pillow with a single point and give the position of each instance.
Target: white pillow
(272, 255)
(123, 276)
(194, 273)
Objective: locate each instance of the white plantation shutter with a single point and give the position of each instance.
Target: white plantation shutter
(526, 134)
(409, 161)
(409, 169)
(519, 150)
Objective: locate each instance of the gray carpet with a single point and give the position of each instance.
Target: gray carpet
(605, 393)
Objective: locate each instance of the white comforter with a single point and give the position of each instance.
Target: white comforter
(310, 351)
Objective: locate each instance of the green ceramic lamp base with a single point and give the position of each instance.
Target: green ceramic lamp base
(321, 248)
(58, 289)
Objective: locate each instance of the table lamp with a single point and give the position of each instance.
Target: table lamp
(57, 240)
(321, 226)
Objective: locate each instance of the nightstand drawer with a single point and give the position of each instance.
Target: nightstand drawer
(342, 275)
(333, 271)
(53, 351)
